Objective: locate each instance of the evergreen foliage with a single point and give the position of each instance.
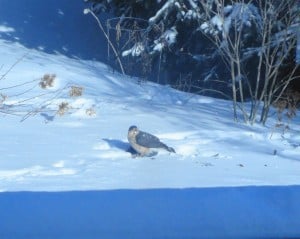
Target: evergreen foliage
(212, 47)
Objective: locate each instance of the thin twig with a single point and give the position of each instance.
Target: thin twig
(86, 11)
(12, 66)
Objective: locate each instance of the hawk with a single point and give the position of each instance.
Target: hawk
(145, 144)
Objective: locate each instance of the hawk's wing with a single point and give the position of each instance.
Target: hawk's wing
(148, 140)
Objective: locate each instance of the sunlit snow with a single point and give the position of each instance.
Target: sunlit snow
(86, 147)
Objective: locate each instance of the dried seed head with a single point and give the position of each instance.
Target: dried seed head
(76, 91)
(63, 108)
(47, 81)
(90, 112)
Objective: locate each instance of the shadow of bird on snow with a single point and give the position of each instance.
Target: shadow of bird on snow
(115, 143)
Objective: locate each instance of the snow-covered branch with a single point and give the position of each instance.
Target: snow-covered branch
(167, 39)
(166, 7)
(137, 49)
(237, 16)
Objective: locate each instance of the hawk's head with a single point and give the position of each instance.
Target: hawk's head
(133, 130)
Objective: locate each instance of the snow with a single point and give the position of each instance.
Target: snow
(5, 29)
(167, 39)
(136, 50)
(70, 175)
(169, 4)
(169, 213)
(239, 13)
(86, 147)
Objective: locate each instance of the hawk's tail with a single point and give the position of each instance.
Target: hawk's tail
(170, 149)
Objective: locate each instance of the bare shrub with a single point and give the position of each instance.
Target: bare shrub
(130, 37)
(184, 83)
(272, 51)
(87, 11)
(288, 103)
(24, 103)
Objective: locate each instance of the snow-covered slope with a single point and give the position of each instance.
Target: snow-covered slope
(86, 148)
(53, 27)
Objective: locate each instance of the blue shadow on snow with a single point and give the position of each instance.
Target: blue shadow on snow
(237, 212)
(54, 27)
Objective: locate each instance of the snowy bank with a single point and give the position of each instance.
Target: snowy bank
(86, 147)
